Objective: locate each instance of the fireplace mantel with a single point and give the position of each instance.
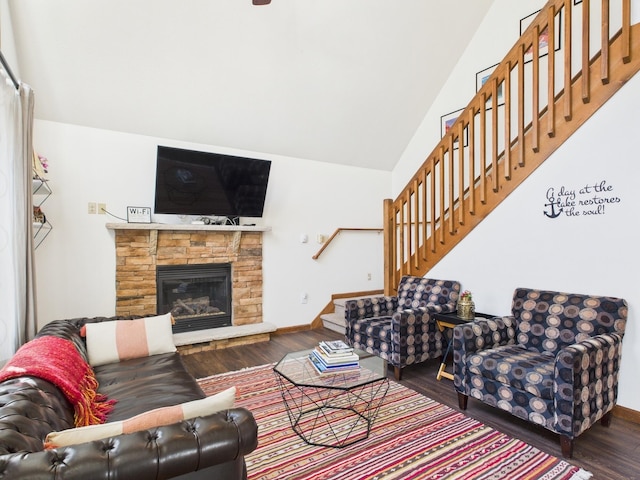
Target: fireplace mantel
(186, 227)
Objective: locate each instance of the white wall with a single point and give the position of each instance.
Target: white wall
(496, 35)
(518, 246)
(76, 263)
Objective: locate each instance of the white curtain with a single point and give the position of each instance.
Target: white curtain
(17, 282)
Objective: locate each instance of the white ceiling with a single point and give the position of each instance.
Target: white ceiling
(341, 81)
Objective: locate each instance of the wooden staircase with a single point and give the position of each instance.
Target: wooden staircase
(333, 315)
(546, 98)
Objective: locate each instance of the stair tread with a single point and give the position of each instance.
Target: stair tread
(336, 327)
(333, 317)
(335, 320)
(342, 301)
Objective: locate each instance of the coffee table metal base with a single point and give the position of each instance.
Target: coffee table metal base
(329, 417)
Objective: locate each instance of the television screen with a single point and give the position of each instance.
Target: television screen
(189, 182)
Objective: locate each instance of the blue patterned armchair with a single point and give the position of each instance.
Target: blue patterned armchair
(400, 329)
(554, 362)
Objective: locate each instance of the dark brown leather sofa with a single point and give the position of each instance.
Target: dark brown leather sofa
(205, 447)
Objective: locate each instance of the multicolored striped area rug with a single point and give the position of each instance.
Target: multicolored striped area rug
(413, 437)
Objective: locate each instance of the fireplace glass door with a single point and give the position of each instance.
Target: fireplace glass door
(198, 296)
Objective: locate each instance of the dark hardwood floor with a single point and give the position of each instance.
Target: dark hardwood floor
(609, 453)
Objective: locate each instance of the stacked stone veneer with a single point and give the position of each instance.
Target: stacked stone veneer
(139, 252)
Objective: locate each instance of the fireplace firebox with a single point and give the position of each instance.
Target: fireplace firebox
(198, 296)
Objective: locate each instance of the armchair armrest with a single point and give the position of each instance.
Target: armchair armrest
(472, 337)
(484, 334)
(578, 367)
(414, 335)
(400, 318)
(367, 307)
(370, 307)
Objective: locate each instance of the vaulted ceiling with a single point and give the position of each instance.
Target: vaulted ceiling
(341, 81)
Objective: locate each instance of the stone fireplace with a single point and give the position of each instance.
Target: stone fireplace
(143, 249)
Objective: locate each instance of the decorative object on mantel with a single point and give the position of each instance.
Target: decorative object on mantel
(466, 307)
(138, 215)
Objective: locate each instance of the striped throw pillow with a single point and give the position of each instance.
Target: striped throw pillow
(113, 341)
(144, 421)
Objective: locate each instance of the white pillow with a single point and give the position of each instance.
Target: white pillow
(112, 341)
(144, 421)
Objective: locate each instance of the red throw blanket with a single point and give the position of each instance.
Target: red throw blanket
(58, 361)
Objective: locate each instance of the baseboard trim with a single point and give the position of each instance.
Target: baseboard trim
(626, 414)
(293, 329)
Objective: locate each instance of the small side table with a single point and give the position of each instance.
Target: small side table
(449, 321)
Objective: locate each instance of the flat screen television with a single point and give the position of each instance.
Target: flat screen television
(189, 182)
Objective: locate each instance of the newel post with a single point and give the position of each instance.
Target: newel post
(390, 283)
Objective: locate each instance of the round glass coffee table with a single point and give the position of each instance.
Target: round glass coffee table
(331, 409)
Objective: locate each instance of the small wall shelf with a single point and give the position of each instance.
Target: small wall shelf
(41, 191)
(40, 232)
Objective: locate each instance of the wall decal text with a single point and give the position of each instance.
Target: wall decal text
(586, 200)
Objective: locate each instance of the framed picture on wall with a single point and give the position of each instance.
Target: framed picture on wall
(446, 123)
(543, 37)
(482, 77)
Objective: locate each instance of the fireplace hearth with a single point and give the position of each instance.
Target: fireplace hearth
(198, 296)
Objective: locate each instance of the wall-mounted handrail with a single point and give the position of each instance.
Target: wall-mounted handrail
(335, 234)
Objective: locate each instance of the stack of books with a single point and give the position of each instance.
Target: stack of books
(334, 356)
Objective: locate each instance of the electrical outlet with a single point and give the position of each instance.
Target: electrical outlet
(368, 276)
(102, 208)
(92, 208)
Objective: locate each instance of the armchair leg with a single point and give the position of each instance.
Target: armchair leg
(566, 445)
(462, 401)
(606, 419)
(397, 373)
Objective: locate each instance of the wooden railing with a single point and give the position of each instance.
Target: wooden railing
(335, 234)
(534, 100)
